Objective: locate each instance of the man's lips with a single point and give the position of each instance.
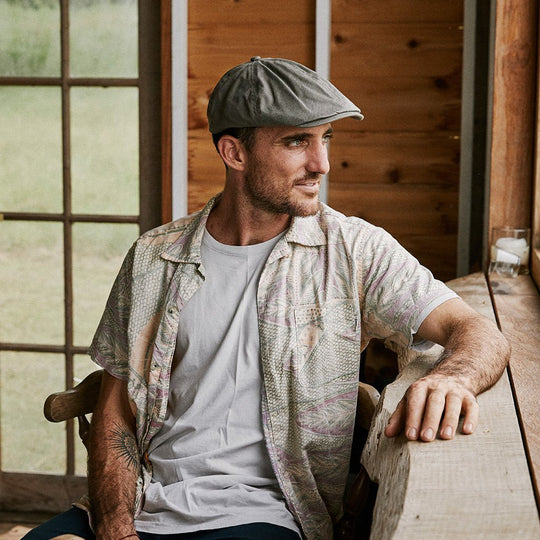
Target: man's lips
(310, 186)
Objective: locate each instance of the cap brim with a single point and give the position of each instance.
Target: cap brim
(333, 118)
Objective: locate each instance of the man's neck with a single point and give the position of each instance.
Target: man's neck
(237, 224)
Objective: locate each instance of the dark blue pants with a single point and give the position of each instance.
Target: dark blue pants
(75, 521)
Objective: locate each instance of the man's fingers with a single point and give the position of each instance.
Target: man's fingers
(429, 408)
(415, 403)
(434, 408)
(471, 411)
(452, 413)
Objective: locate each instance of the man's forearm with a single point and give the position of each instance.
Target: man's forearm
(113, 463)
(113, 469)
(476, 354)
(474, 358)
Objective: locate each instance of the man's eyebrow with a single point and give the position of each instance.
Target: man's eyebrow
(305, 135)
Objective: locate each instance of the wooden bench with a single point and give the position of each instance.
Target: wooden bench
(476, 486)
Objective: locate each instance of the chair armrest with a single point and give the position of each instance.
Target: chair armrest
(75, 402)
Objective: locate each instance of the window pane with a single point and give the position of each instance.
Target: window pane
(104, 144)
(103, 36)
(31, 282)
(29, 442)
(82, 367)
(30, 38)
(98, 252)
(30, 149)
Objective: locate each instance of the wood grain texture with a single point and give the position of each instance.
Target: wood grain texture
(399, 104)
(513, 113)
(78, 401)
(395, 50)
(400, 61)
(394, 158)
(535, 232)
(517, 304)
(402, 209)
(22, 492)
(213, 50)
(253, 12)
(426, 11)
(476, 486)
(221, 35)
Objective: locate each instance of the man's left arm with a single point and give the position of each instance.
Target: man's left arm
(474, 357)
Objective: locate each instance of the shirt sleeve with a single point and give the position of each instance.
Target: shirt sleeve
(398, 293)
(109, 348)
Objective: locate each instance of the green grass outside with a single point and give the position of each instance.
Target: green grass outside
(104, 140)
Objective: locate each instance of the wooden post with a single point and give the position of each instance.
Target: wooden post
(514, 84)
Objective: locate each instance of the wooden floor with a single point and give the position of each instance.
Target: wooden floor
(12, 531)
(13, 526)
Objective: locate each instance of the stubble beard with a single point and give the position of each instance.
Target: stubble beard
(263, 195)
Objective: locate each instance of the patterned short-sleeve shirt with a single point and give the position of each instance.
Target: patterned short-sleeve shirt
(330, 285)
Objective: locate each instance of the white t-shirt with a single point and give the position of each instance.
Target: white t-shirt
(211, 468)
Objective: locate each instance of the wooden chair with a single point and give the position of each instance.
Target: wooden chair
(75, 403)
(81, 400)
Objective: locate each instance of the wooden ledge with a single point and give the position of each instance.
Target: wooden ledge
(517, 305)
(476, 486)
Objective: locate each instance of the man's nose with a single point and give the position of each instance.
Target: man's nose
(318, 158)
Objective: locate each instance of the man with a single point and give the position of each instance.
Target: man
(231, 339)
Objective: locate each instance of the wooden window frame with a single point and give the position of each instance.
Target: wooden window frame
(53, 493)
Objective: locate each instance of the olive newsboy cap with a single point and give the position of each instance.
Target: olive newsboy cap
(275, 92)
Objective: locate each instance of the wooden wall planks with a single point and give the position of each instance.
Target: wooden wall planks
(401, 64)
(400, 61)
(415, 11)
(222, 34)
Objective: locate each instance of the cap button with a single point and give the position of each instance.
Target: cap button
(255, 58)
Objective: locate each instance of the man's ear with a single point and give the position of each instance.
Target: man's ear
(232, 152)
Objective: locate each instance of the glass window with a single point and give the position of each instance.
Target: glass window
(32, 282)
(98, 252)
(103, 37)
(104, 148)
(70, 162)
(26, 379)
(30, 149)
(30, 37)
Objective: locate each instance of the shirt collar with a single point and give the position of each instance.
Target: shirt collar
(187, 248)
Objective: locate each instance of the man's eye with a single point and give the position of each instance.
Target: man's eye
(296, 142)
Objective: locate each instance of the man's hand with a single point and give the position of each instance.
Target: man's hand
(475, 355)
(434, 405)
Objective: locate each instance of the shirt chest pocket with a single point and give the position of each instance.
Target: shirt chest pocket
(327, 343)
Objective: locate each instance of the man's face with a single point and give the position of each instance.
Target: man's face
(285, 168)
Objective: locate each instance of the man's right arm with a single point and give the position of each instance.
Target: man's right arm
(113, 462)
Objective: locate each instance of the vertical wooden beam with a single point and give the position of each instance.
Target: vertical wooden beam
(68, 226)
(514, 90)
(150, 131)
(535, 237)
